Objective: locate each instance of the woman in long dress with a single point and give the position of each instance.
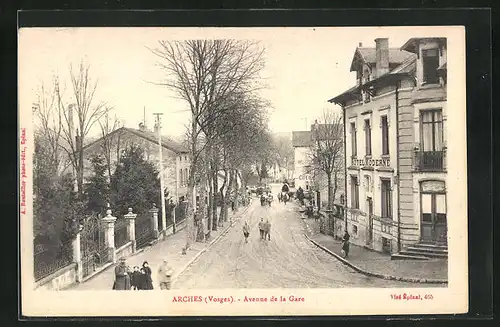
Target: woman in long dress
(345, 244)
(148, 280)
(122, 277)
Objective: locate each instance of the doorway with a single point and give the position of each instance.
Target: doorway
(433, 226)
(369, 236)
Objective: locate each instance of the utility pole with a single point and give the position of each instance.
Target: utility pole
(162, 183)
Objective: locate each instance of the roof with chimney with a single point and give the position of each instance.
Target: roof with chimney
(302, 139)
(369, 55)
(401, 63)
(150, 136)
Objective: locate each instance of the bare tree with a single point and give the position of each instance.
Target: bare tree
(50, 124)
(82, 113)
(205, 73)
(110, 139)
(326, 153)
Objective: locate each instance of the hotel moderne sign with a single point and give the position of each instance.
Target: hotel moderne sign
(370, 162)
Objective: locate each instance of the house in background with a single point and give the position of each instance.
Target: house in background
(308, 177)
(302, 142)
(175, 156)
(395, 126)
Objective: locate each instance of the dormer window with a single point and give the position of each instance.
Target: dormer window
(430, 63)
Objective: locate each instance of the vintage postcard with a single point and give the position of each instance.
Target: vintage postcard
(243, 171)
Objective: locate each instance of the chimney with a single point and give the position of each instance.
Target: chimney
(382, 56)
(360, 45)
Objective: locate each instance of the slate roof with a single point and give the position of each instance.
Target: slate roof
(301, 139)
(369, 55)
(406, 64)
(166, 142)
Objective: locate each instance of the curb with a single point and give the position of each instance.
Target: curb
(381, 276)
(215, 240)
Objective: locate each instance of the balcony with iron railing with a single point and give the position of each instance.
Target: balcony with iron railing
(430, 161)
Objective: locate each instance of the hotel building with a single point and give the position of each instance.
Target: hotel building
(395, 148)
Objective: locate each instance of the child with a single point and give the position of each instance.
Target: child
(134, 278)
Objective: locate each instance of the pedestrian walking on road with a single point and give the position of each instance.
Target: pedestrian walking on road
(345, 244)
(285, 198)
(246, 231)
(122, 276)
(148, 280)
(261, 228)
(267, 229)
(165, 275)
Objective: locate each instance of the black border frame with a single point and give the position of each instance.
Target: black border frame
(479, 113)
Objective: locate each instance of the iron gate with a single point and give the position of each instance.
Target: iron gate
(143, 230)
(93, 244)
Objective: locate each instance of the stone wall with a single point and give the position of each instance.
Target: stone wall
(61, 279)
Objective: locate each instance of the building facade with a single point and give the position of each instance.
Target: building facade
(302, 142)
(175, 156)
(307, 176)
(395, 145)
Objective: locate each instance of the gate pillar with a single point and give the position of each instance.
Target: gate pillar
(77, 256)
(154, 220)
(109, 221)
(130, 216)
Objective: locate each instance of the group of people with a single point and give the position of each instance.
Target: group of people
(266, 198)
(264, 230)
(127, 278)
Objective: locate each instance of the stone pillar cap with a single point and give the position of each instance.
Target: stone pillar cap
(130, 214)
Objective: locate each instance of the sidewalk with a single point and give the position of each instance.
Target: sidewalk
(380, 264)
(170, 248)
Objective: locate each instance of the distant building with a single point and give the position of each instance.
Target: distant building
(395, 126)
(175, 156)
(307, 176)
(302, 142)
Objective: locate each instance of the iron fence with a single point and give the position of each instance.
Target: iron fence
(93, 247)
(429, 160)
(143, 230)
(181, 212)
(48, 260)
(121, 232)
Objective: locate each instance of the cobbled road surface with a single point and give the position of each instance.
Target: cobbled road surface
(288, 260)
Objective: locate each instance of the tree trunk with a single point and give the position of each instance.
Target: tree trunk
(223, 212)
(215, 202)
(80, 170)
(229, 194)
(190, 210)
(210, 204)
(236, 190)
(335, 185)
(330, 202)
(202, 208)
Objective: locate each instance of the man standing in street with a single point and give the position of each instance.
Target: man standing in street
(165, 275)
(261, 228)
(122, 277)
(267, 228)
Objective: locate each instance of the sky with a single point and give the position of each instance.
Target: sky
(304, 67)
